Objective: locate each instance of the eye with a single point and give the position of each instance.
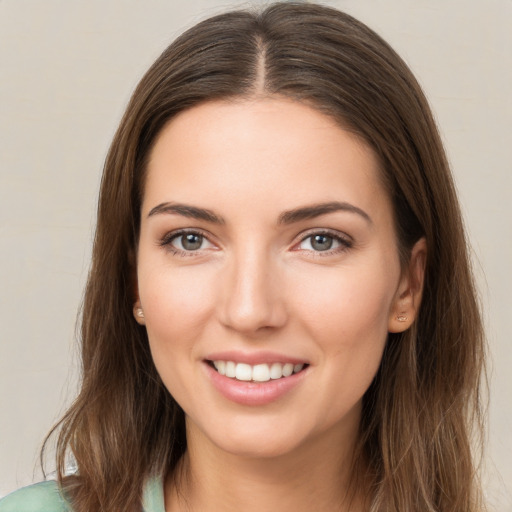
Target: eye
(324, 242)
(186, 242)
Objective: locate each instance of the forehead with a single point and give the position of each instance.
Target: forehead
(279, 151)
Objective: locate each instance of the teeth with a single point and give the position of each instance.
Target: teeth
(220, 366)
(243, 372)
(287, 369)
(258, 372)
(276, 371)
(261, 373)
(230, 369)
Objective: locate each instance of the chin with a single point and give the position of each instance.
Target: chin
(267, 447)
(256, 437)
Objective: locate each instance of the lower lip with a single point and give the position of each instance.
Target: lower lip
(253, 393)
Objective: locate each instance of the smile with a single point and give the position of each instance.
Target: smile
(256, 373)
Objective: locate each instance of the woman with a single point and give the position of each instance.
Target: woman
(280, 311)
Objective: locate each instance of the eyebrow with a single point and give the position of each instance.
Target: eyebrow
(316, 210)
(287, 217)
(186, 210)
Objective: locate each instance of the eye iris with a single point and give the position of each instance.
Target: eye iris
(191, 241)
(321, 242)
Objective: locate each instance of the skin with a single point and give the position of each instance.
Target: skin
(258, 284)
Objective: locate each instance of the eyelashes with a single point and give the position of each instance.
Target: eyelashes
(186, 242)
(192, 242)
(324, 242)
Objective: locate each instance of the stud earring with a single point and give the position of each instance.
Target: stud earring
(138, 313)
(401, 318)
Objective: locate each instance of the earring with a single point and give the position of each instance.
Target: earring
(401, 318)
(138, 313)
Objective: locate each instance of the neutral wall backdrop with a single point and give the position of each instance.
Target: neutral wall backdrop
(67, 69)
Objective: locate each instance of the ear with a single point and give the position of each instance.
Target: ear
(407, 300)
(138, 312)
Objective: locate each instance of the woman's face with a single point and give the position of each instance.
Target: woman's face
(267, 247)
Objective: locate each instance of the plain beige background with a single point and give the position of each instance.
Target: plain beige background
(67, 69)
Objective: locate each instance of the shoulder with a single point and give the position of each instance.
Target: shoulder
(41, 497)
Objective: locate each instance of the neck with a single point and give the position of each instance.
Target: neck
(315, 477)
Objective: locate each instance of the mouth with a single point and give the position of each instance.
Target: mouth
(263, 372)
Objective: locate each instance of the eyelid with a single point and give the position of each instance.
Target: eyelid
(166, 240)
(345, 240)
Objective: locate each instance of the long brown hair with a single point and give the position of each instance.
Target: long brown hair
(419, 413)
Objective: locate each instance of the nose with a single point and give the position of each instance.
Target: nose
(253, 295)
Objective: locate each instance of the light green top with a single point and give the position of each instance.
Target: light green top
(46, 497)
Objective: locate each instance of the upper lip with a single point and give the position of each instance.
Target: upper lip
(254, 358)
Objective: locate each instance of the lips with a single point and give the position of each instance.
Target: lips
(254, 379)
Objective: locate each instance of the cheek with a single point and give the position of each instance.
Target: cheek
(346, 306)
(347, 317)
(346, 312)
(177, 304)
(168, 293)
